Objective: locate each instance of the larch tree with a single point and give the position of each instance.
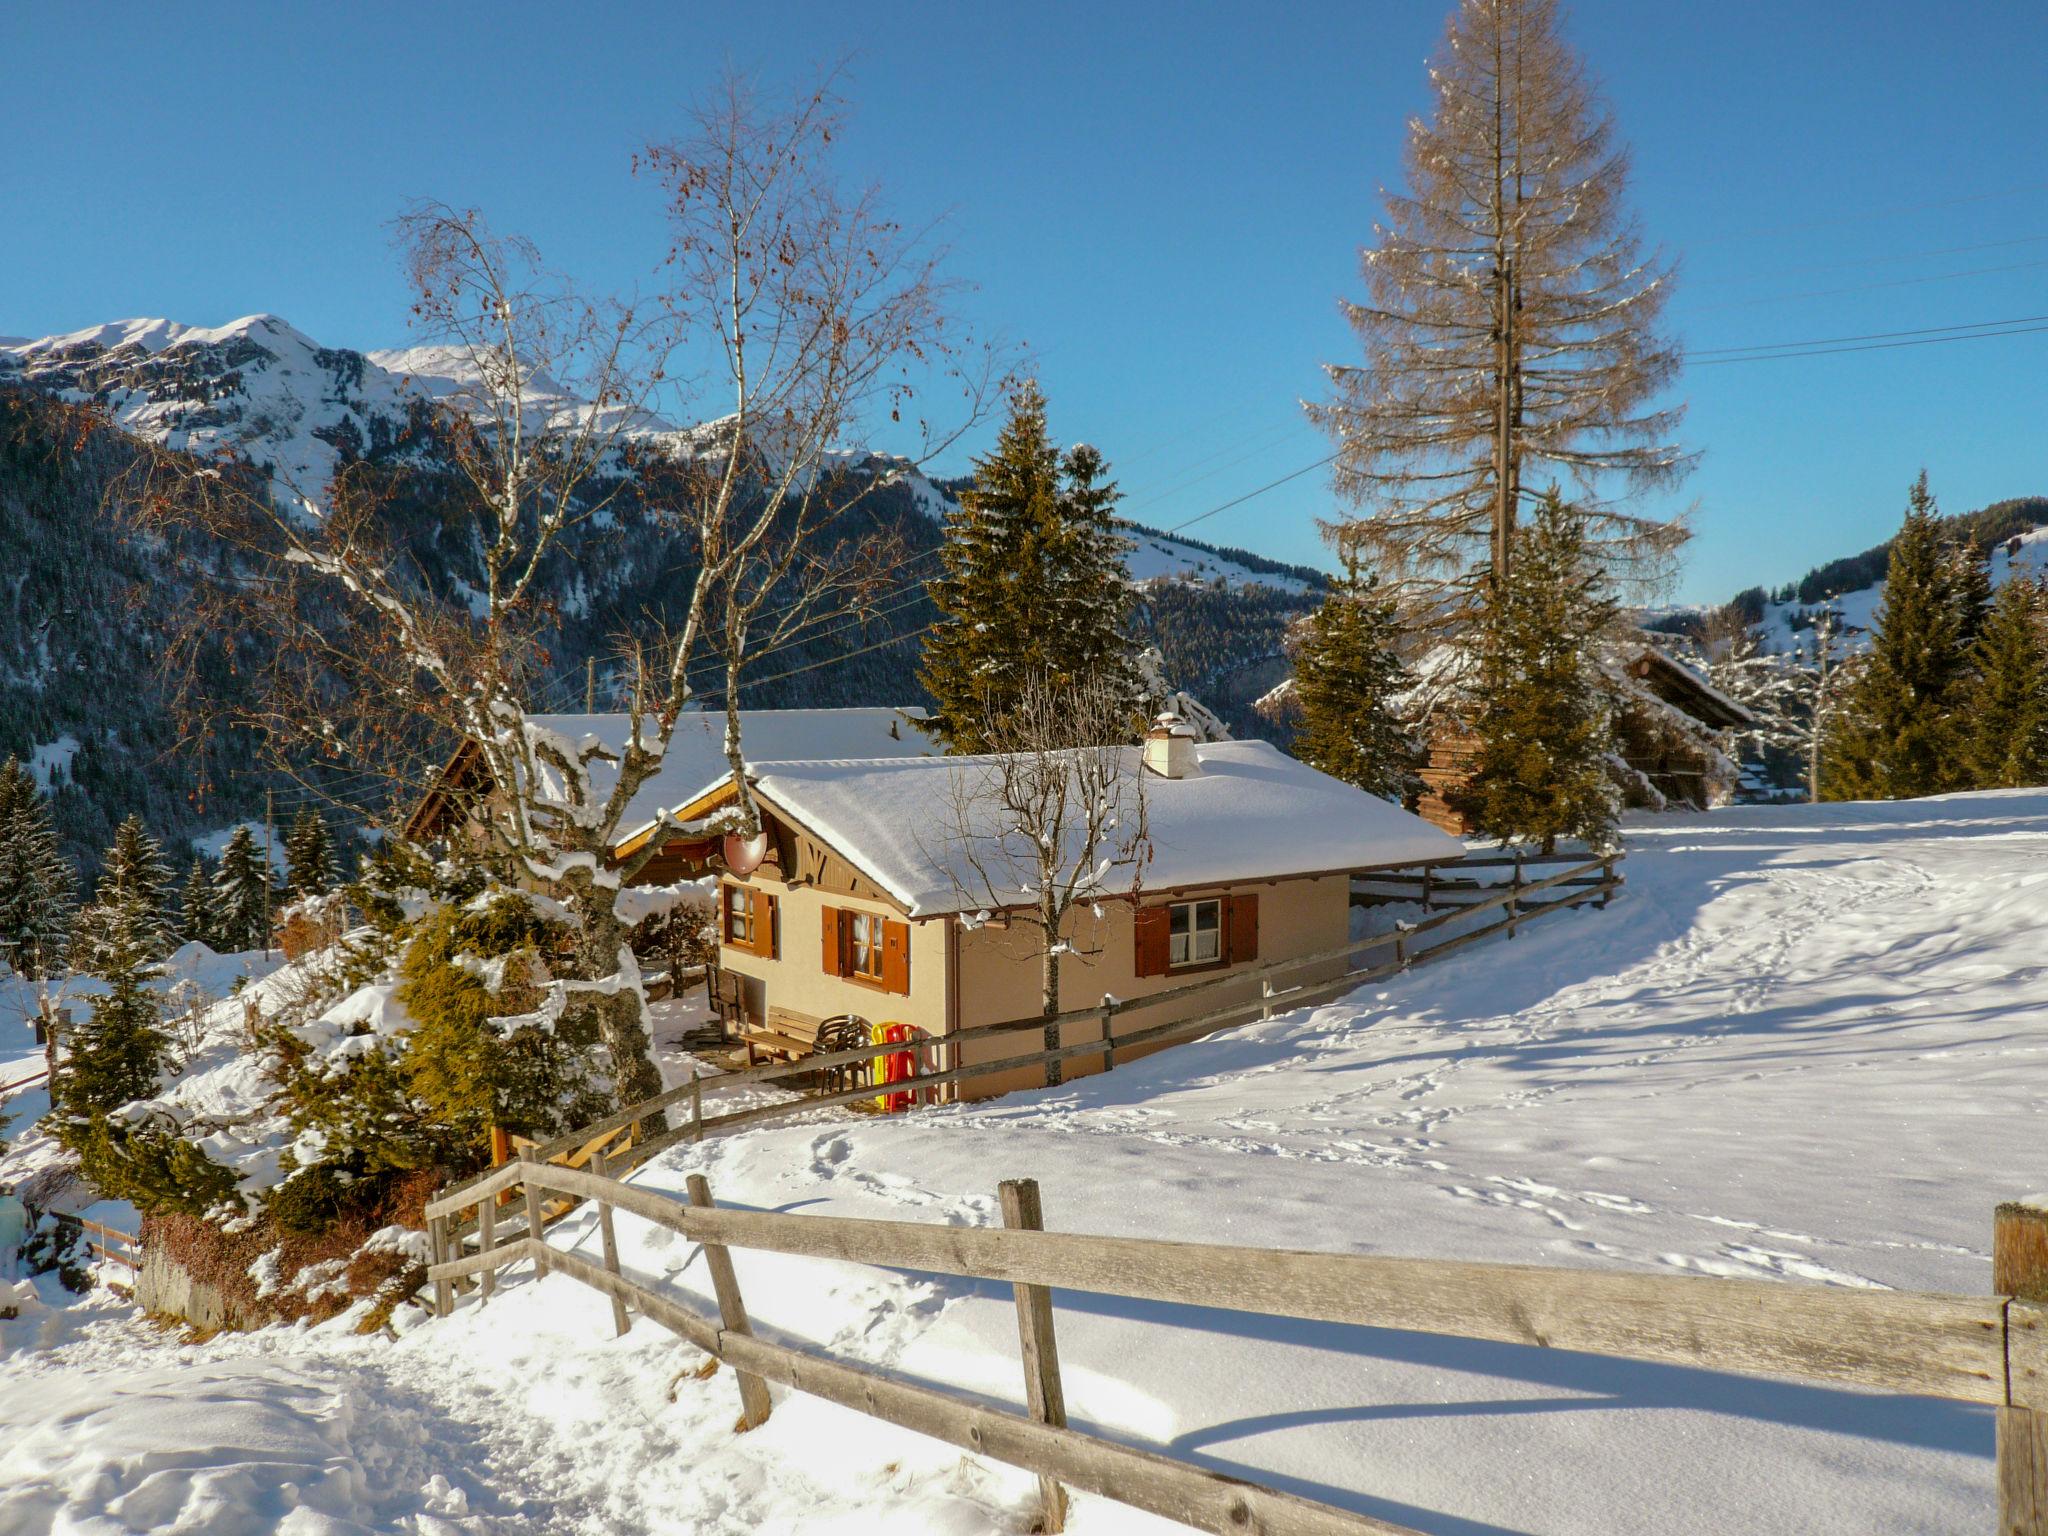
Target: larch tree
(2005, 726)
(794, 315)
(1347, 674)
(37, 884)
(1896, 736)
(1539, 709)
(1510, 331)
(1033, 591)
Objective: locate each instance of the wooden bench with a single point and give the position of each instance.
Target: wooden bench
(785, 1033)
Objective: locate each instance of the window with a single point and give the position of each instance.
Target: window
(1195, 936)
(866, 957)
(739, 918)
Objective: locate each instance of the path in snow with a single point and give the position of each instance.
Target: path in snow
(1806, 1043)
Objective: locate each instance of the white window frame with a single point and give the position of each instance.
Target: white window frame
(1184, 945)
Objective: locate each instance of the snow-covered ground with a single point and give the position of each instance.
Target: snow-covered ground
(1808, 1043)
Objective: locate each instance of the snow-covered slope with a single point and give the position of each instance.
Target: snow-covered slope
(1804, 1045)
(1161, 557)
(1787, 627)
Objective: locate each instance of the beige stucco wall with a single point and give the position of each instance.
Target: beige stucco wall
(999, 970)
(797, 979)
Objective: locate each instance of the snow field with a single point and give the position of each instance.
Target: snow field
(1805, 1043)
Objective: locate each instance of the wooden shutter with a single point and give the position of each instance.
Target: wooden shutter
(767, 941)
(1152, 936)
(1240, 929)
(896, 957)
(834, 957)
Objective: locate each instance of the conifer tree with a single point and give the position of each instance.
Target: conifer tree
(2005, 727)
(1897, 734)
(1033, 584)
(1541, 717)
(309, 855)
(133, 898)
(241, 891)
(36, 881)
(1346, 674)
(114, 1056)
(195, 905)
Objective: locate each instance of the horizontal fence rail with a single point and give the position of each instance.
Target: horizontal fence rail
(1990, 1350)
(1584, 880)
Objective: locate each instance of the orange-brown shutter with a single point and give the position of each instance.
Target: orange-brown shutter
(896, 957)
(1152, 932)
(1241, 917)
(767, 942)
(834, 959)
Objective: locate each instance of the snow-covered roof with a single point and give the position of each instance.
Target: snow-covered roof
(695, 760)
(1251, 812)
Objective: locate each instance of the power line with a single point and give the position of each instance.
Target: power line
(1828, 341)
(1876, 346)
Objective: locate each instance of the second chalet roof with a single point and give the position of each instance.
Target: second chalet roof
(1250, 813)
(696, 751)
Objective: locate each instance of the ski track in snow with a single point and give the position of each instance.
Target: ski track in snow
(1804, 1044)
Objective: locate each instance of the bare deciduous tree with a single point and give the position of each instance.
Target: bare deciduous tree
(1510, 326)
(1039, 829)
(797, 314)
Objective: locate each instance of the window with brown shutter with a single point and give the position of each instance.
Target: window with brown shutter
(1241, 929)
(895, 956)
(750, 920)
(767, 934)
(1151, 929)
(834, 959)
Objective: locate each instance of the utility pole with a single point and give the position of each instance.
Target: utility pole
(269, 868)
(590, 685)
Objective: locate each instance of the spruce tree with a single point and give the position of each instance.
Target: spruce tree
(1898, 732)
(114, 1056)
(133, 898)
(1346, 675)
(1540, 714)
(1033, 582)
(2005, 727)
(241, 891)
(195, 906)
(37, 884)
(309, 855)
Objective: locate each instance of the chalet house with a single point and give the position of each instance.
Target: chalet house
(1671, 734)
(860, 909)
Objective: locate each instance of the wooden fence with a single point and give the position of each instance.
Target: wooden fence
(1583, 880)
(105, 1242)
(1990, 1350)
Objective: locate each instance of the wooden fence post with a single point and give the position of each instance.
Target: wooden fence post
(437, 1245)
(2019, 1268)
(534, 1229)
(732, 1312)
(1042, 1392)
(696, 1106)
(1108, 1040)
(1428, 886)
(1607, 880)
(486, 1240)
(1515, 901)
(602, 1168)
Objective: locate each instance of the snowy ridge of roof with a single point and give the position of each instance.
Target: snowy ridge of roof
(1251, 813)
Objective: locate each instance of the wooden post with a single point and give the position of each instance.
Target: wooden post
(1401, 950)
(732, 1312)
(486, 1240)
(534, 1229)
(1428, 885)
(602, 1168)
(1607, 879)
(1042, 1391)
(1266, 992)
(1514, 901)
(437, 1245)
(1108, 1038)
(2019, 1269)
(696, 1105)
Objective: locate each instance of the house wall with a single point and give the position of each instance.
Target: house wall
(1000, 971)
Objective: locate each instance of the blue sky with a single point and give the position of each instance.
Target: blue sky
(1165, 202)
